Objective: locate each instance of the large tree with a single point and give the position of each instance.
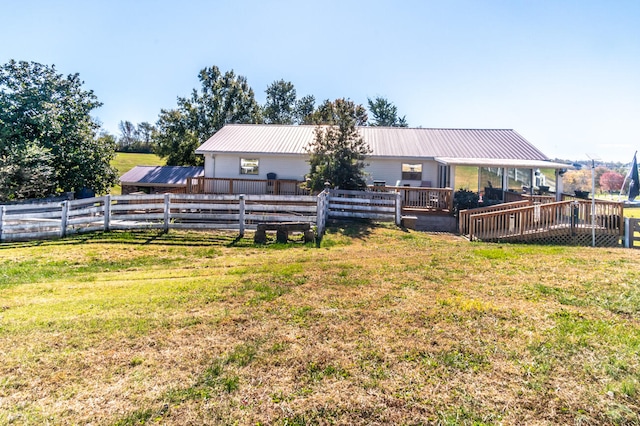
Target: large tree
(338, 151)
(334, 112)
(222, 99)
(304, 109)
(281, 103)
(385, 113)
(48, 140)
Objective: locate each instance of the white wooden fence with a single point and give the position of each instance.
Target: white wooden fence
(190, 211)
(163, 211)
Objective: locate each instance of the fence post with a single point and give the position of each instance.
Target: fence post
(64, 219)
(398, 210)
(241, 207)
(322, 212)
(627, 232)
(167, 208)
(107, 212)
(1, 220)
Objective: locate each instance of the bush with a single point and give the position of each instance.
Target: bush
(464, 199)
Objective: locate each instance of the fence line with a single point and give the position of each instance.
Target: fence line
(190, 211)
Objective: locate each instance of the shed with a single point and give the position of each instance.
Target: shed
(158, 179)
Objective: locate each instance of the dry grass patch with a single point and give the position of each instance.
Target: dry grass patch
(377, 326)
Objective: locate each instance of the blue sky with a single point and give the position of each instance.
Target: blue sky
(563, 74)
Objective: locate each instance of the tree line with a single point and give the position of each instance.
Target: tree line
(50, 143)
(227, 98)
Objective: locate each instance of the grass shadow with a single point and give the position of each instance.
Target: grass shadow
(360, 229)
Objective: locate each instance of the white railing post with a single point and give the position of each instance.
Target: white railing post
(321, 212)
(107, 212)
(241, 208)
(398, 210)
(167, 209)
(64, 218)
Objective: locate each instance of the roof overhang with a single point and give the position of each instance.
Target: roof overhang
(502, 162)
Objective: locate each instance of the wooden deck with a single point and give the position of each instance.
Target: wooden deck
(565, 222)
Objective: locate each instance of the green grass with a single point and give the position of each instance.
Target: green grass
(125, 161)
(377, 326)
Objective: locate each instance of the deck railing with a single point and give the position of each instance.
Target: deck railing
(424, 199)
(510, 197)
(526, 222)
(205, 185)
(464, 215)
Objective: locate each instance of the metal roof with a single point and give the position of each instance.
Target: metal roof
(503, 162)
(384, 142)
(165, 175)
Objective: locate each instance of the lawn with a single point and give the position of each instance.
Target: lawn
(125, 161)
(376, 326)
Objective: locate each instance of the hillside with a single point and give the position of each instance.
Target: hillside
(377, 326)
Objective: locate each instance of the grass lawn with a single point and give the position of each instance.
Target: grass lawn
(125, 161)
(377, 326)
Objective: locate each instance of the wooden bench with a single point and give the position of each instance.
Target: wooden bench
(282, 231)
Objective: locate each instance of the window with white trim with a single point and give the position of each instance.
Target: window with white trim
(411, 171)
(249, 166)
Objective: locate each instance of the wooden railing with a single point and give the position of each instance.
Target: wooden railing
(425, 199)
(510, 197)
(552, 218)
(464, 215)
(205, 185)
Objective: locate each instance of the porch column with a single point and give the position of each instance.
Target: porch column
(505, 180)
(559, 185)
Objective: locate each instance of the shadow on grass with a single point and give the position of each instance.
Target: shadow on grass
(140, 237)
(360, 229)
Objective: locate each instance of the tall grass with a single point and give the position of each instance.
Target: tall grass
(377, 326)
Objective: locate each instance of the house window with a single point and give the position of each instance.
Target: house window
(249, 166)
(411, 171)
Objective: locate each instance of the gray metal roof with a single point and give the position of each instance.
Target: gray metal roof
(384, 142)
(165, 175)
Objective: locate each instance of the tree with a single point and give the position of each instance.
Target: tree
(48, 140)
(128, 135)
(385, 113)
(281, 103)
(135, 138)
(611, 181)
(222, 99)
(338, 151)
(304, 109)
(333, 113)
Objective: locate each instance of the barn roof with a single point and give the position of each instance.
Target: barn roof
(384, 142)
(165, 175)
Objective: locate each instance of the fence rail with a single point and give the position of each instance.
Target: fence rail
(163, 211)
(191, 211)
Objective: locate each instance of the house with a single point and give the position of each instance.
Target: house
(158, 179)
(400, 157)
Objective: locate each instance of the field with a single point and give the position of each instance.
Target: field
(126, 161)
(376, 326)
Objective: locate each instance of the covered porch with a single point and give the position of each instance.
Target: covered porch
(506, 180)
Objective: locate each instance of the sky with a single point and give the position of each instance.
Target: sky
(565, 74)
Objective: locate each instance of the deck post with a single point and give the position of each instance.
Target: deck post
(241, 208)
(64, 218)
(167, 209)
(626, 241)
(107, 212)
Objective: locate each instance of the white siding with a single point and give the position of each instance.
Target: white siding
(285, 167)
(390, 171)
(296, 167)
